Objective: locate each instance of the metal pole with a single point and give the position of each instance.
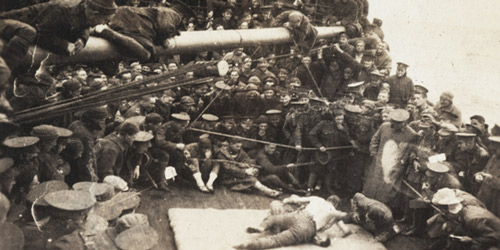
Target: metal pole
(98, 49)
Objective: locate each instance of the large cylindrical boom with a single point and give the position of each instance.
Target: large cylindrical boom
(98, 49)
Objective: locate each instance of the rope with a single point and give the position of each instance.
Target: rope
(265, 142)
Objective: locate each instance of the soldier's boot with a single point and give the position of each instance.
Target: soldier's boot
(310, 181)
(200, 183)
(210, 182)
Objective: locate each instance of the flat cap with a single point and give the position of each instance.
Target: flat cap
(221, 85)
(399, 115)
(447, 129)
(45, 132)
(465, 135)
(421, 89)
(262, 119)
(402, 64)
(438, 167)
(273, 112)
(254, 80)
(70, 200)
(143, 136)
(355, 84)
(210, 117)
(187, 100)
(494, 139)
(183, 116)
(63, 132)
(153, 118)
(141, 237)
(38, 192)
(352, 108)
(445, 196)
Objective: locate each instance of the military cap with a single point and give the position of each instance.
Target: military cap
(205, 142)
(447, 95)
(251, 87)
(270, 78)
(70, 200)
(447, 129)
(183, 116)
(472, 129)
(495, 138)
(421, 89)
(143, 136)
(71, 85)
(465, 135)
(445, 196)
(20, 142)
(355, 84)
(262, 119)
(438, 167)
(187, 100)
(141, 237)
(376, 73)
(479, 118)
(11, 237)
(153, 118)
(116, 182)
(99, 113)
(5, 163)
(402, 64)
(104, 7)
(254, 80)
(63, 132)
(131, 220)
(38, 192)
(228, 118)
(210, 117)
(352, 108)
(368, 57)
(121, 73)
(399, 115)
(273, 112)
(45, 132)
(97, 189)
(137, 120)
(221, 85)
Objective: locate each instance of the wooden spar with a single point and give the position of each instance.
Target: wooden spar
(98, 49)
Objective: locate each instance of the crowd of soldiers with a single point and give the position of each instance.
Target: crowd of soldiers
(316, 117)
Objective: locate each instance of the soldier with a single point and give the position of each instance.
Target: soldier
(448, 112)
(303, 32)
(471, 226)
(169, 138)
(63, 27)
(468, 160)
(447, 142)
(374, 216)
(330, 132)
(489, 179)
(199, 157)
(138, 158)
(238, 173)
(401, 85)
(111, 150)
(24, 152)
(86, 130)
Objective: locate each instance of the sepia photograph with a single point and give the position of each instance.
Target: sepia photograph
(249, 124)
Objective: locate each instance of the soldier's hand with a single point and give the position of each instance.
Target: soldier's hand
(180, 146)
(465, 239)
(426, 185)
(298, 147)
(478, 177)
(291, 165)
(70, 49)
(416, 166)
(338, 23)
(356, 218)
(322, 149)
(137, 172)
(461, 174)
(79, 45)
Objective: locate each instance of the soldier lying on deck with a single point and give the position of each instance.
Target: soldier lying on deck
(300, 226)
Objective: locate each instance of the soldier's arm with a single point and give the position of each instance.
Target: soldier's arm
(313, 135)
(105, 162)
(374, 143)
